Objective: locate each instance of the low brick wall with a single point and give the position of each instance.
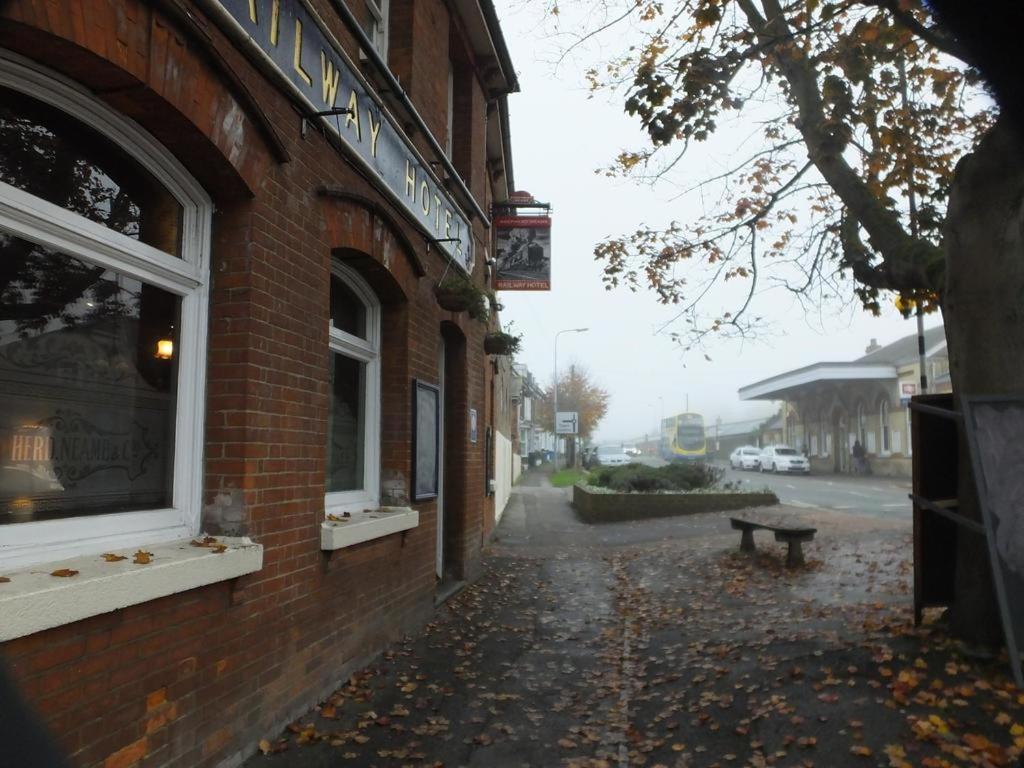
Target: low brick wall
(616, 507)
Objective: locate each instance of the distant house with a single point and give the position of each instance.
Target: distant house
(534, 438)
(830, 405)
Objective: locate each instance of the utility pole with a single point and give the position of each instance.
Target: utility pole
(912, 201)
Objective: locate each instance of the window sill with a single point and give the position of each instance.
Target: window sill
(34, 600)
(365, 526)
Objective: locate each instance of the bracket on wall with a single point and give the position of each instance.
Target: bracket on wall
(304, 127)
(442, 240)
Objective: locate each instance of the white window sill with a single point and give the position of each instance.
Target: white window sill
(366, 525)
(34, 600)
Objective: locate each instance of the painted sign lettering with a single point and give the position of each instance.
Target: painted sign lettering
(290, 36)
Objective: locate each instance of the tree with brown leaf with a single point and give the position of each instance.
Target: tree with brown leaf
(577, 391)
(882, 169)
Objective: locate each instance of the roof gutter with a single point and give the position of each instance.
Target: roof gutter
(506, 141)
(500, 47)
(396, 90)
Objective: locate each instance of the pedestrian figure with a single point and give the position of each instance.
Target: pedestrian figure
(860, 461)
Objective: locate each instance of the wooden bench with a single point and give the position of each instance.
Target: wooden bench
(794, 536)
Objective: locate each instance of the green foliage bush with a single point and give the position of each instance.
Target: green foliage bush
(639, 478)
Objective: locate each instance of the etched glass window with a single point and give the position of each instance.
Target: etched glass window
(50, 154)
(87, 387)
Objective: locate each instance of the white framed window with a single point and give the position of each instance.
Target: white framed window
(105, 241)
(353, 422)
(884, 427)
(378, 27)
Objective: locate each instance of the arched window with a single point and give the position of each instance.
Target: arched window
(353, 426)
(103, 298)
(862, 424)
(883, 418)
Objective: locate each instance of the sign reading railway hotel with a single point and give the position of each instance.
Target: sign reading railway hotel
(288, 35)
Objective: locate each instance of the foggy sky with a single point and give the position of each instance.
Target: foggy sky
(559, 138)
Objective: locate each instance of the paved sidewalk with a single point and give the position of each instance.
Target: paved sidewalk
(656, 643)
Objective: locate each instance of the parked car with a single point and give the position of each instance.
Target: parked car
(612, 456)
(745, 457)
(782, 458)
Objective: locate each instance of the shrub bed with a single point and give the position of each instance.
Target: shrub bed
(635, 492)
(639, 478)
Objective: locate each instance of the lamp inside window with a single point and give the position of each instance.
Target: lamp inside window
(165, 349)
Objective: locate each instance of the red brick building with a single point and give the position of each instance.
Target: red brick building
(241, 444)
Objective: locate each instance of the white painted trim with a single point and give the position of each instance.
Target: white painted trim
(364, 526)
(47, 224)
(21, 74)
(26, 543)
(366, 351)
(775, 387)
(380, 10)
(40, 221)
(33, 601)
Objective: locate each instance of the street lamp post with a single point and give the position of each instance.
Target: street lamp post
(554, 409)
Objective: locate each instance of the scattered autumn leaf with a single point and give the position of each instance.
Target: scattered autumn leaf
(4, 580)
(64, 572)
(112, 558)
(142, 557)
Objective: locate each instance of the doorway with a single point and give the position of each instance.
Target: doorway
(451, 375)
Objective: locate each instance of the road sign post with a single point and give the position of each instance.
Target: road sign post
(567, 423)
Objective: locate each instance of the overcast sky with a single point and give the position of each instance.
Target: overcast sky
(559, 138)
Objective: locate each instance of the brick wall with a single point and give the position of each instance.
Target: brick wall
(197, 679)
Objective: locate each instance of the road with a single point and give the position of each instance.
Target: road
(875, 496)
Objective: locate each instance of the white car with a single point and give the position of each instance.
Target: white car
(782, 458)
(745, 457)
(612, 456)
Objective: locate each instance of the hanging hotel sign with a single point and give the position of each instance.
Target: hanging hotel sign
(298, 46)
(523, 253)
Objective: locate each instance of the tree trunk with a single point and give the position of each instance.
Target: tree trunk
(983, 310)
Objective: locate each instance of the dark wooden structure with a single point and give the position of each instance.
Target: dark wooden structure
(936, 448)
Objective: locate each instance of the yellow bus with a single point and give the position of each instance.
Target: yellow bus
(683, 439)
